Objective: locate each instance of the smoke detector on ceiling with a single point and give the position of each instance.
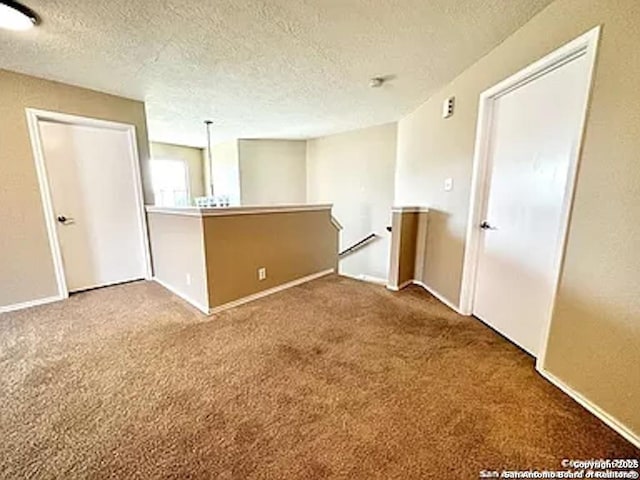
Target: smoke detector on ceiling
(376, 82)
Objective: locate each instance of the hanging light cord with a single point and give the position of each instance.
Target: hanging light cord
(208, 123)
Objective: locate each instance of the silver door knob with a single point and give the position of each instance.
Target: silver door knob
(487, 226)
(64, 220)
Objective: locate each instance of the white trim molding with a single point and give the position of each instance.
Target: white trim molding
(270, 291)
(226, 211)
(397, 288)
(585, 45)
(591, 407)
(34, 116)
(203, 308)
(30, 303)
(441, 298)
(409, 210)
(365, 278)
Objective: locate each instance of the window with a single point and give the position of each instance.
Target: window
(170, 183)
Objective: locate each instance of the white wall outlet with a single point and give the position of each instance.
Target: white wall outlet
(448, 106)
(448, 184)
(262, 273)
(188, 279)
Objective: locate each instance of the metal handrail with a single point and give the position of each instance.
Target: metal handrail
(358, 245)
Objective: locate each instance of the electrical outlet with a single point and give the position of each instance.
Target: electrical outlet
(262, 273)
(188, 279)
(447, 107)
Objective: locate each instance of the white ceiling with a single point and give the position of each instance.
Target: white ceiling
(261, 68)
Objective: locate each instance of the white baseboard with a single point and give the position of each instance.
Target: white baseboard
(30, 303)
(433, 292)
(204, 309)
(372, 279)
(439, 296)
(399, 287)
(270, 291)
(366, 278)
(591, 407)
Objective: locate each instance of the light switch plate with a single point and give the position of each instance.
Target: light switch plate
(448, 184)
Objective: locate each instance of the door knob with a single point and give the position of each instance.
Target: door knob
(64, 220)
(487, 226)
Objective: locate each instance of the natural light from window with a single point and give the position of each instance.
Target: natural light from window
(170, 183)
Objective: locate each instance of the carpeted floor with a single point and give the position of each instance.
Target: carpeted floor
(332, 379)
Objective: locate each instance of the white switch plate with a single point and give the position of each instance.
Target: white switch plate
(188, 279)
(448, 184)
(262, 273)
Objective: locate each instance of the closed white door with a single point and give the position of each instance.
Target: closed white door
(534, 134)
(94, 196)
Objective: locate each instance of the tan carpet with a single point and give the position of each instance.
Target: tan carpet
(332, 379)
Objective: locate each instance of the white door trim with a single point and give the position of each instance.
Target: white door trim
(585, 45)
(36, 115)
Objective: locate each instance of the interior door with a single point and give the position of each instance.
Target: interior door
(93, 191)
(534, 133)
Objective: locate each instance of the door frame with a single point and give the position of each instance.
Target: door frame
(34, 116)
(585, 45)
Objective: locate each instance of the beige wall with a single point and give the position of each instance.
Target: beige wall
(226, 170)
(214, 260)
(272, 172)
(192, 157)
(26, 266)
(403, 248)
(289, 245)
(595, 330)
(177, 253)
(355, 172)
(408, 244)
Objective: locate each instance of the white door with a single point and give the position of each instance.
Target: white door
(95, 201)
(534, 134)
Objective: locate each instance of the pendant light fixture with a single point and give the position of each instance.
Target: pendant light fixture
(15, 16)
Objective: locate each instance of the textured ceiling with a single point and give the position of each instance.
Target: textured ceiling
(262, 68)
